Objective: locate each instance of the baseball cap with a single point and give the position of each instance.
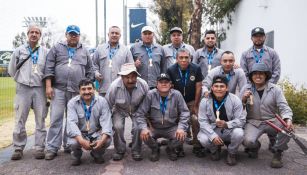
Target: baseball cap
(147, 28)
(73, 28)
(220, 79)
(128, 68)
(257, 30)
(163, 76)
(175, 29)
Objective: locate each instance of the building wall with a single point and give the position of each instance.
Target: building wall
(288, 21)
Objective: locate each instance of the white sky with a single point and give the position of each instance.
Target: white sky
(63, 12)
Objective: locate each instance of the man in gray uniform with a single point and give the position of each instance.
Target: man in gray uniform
(263, 100)
(236, 77)
(67, 63)
(27, 68)
(260, 53)
(149, 57)
(89, 124)
(108, 58)
(168, 118)
(209, 56)
(221, 119)
(124, 97)
(170, 50)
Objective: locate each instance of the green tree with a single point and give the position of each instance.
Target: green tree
(19, 39)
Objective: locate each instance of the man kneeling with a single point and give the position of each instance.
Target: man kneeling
(168, 117)
(89, 124)
(221, 119)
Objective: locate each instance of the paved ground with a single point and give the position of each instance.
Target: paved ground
(294, 163)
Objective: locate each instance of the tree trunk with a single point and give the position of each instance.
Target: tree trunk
(195, 25)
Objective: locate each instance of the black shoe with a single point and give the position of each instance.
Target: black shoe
(118, 156)
(50, 155)
(130, 145)
(180, 152)
(231, 159)
(189, 141)
(199, 151)
(17, 155)
(171, 153)
(97, 160)
(76, 162)
(163, 142)
(136, 156)
(39, 154)
(215, 156)
(67, 150)
(155, 155)
(276, 161)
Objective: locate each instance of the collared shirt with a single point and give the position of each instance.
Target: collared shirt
(65, 77)
(149, 73)
(234, 110)
(176, 112)
(194, 76)
(272, 102)
(170, 53)
(100, 120)
(25, 75)
(102, 62)
(236, 79)
(269, 57)
(200, 58)
(121, 101)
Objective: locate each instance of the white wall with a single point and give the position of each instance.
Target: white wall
(287, 19)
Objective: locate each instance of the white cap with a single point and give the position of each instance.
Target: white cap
(128, 68)
(147, 28)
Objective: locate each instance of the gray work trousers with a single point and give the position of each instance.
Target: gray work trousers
(77, 149)
(29, 97)
(57, 108)
(119, 130)
(234, 136)
(168, 133)
(252, 133)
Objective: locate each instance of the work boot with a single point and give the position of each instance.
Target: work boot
(67, 150)
(231, 159)
(136, 156)
(118, 156)
(179, 151)
(155, 154)
(252, 153)
(215, 156)
(17, 155)
(39, 154)
(171, 153)
(76, 162)
(130, 145)
(50, 155)
(276, 161)
(97, 160)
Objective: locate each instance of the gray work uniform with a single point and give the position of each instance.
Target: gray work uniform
(236, 120)
(272, 102)
(175, 117)
(236, 78)
(200, 58)
(170, 53)
(102, 59)
(123, 104)
(65, 81)
(30, 93)
(149, 73)
(269, 57)
(100, 123)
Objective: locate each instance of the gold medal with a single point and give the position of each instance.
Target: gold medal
(87, 125)
(251, 98)
(35, 68)
(69, 62)
(150, 62)
(209, 68)
(217, 115)
(110, 63)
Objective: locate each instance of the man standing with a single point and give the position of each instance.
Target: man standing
(89, 124)
(187, 78)
(27, 68)
(108, 58)
(260, 53)
(124, 97)
(236, 77)
(149, 57)
(168, 118)
(221, 120)
(171, 49)
(263, 100)
(67, 63)
(209, 56)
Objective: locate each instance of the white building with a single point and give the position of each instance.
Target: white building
(286, 20)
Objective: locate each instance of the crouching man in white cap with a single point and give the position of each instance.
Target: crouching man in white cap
(89, 124)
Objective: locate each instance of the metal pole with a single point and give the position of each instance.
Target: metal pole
(105, 20)
(96, 8)
(125, 21)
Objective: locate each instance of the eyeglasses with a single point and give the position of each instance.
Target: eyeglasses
(72, 34)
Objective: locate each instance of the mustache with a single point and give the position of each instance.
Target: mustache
(87, 94)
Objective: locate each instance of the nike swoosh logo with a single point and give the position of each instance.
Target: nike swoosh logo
(136, 25)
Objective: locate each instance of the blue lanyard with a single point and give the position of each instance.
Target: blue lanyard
(175, 50)
(71, 52)
(89, 110)
(210, 56)
(163, 105)
(112, 51)
(216, 106)
(149, 51)
(258, 59)
(184, 79)
(34, 55)
(228, 76)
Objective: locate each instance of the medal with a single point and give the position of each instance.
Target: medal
(184, 91)
(110, 63)
(35, 68)
(69, 62)
(150, 62)
(251, 98)
(209, 68)
(87, 125)
(217, 115)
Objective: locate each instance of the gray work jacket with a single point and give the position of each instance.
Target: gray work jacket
(170, 53)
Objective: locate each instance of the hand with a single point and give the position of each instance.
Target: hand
(138, 63)
(145, 133)
(236, 66)
(97, 144)
(49, 92)
(221, 124)
(206, 94)
(99, 77)
(85, 144)
(246, 95)
(180, 134)
(195, 110)
(290, 126)
(217, 141)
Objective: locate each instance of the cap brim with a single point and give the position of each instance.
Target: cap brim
(127, 72)
(73, 31)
